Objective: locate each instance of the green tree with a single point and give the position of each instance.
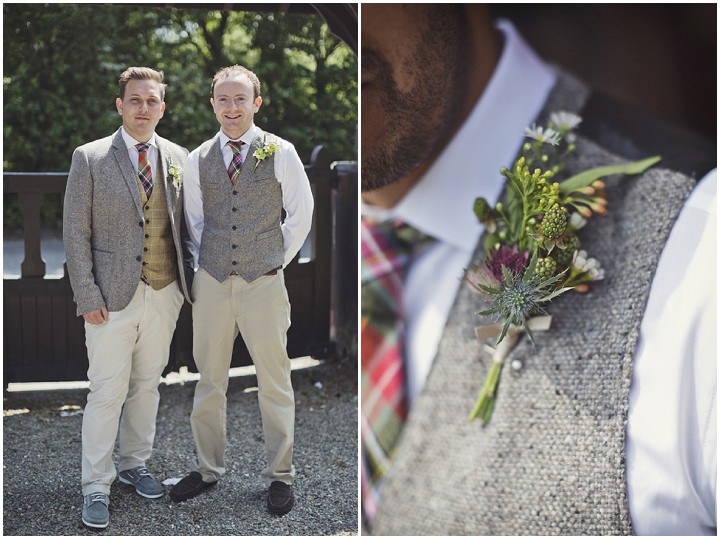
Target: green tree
(62, 61)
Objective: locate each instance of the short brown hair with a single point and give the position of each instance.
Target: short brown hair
(233, 71)
(141, 73)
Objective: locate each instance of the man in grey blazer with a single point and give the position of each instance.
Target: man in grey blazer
(125, 244)
(609, 427)
(249, 208)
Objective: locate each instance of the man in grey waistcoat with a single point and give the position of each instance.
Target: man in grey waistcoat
(127, 253)
(239, 185)
(609, 426)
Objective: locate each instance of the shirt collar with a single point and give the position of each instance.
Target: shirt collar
(130, 142)
(246, 137)
(441, 203)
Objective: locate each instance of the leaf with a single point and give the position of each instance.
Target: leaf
(483, 288)
(488, 312)
(480, 208)
(530, 271)
(586, 178)
(550, 281)
(555, 294)
(504, 331)
(506, 274)
(529, 333)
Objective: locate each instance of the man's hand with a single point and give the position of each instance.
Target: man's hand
(96, 317)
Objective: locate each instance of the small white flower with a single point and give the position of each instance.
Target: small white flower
(577, 221)
(583, 263)
(548, 135)
(597, 274)
(175, 175)
(266, 150)
(580, 259)
(565, 121)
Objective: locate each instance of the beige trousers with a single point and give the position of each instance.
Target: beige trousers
(260, 311)
(127, 355)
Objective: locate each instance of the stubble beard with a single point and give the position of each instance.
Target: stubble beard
(420, 120)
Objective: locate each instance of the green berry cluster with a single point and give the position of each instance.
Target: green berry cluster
(564, 252)
(555, 222)
(545, 269)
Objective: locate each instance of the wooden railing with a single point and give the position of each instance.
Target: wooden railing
(44, 338)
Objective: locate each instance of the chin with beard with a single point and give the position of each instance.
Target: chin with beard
(418, 122)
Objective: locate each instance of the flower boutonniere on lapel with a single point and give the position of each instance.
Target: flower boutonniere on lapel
(266, 150)
(175, 175)
(532, 251)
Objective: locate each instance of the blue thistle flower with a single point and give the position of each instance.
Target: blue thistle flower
(519, 296)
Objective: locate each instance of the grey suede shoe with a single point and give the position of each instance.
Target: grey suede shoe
(95, 510)
(144, 483)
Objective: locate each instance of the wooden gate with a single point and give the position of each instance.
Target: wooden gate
(44, 339)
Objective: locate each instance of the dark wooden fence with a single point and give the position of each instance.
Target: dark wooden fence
(44, 340)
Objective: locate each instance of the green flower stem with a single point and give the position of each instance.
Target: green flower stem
(486, 401)
(577, 277)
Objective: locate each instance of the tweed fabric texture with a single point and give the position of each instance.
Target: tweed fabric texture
(242, 231)
(552, 459)
(159, 265)
(103, 222)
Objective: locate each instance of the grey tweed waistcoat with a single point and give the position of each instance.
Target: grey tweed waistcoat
(242, 231)
(552, 459)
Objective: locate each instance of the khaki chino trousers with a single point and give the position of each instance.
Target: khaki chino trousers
(127, 355)
(260, 312)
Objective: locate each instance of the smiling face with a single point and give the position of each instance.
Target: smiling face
(141, 108)
(234, 104)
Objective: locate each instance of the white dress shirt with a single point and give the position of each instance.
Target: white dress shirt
(290, 173)
(152, 153)
(671, 460)
(672, 424)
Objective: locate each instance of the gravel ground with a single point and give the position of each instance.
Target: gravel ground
(41, 464)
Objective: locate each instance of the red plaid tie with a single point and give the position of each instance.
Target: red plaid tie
(386, 253)
(144, 170)
(235, 164)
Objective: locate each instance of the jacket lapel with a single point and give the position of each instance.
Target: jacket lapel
(127, 169)
(257, 142)
(171, 192)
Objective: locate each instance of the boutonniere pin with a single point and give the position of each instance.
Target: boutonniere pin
(532, 251)
(266, 150)
(175, 175)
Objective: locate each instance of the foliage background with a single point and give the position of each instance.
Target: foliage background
(62, 62)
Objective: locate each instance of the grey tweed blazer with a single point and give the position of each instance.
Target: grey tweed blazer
(103, 222)
(552, 459)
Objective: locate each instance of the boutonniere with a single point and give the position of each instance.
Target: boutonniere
(532, 251)
(175, 175)
(266, 150)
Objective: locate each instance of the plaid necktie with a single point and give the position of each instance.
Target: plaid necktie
(144, 170)
(235, 164)
(386, 253)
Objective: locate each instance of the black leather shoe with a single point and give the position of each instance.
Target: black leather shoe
(189, 487)
(280, 498)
